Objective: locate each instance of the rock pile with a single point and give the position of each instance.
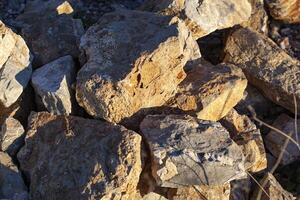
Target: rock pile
(128, 109)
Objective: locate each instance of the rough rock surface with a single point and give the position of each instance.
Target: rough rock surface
(188, 151)
(15, 66)
(127, 67)
(240, 189)
(71, 157)
(52, 83)
(204, 16)
(11, 182)
(285, 10)
(266, 66)
(274, 141)
(208, 91)
(244, 132)
(153, 196)
(11, 136)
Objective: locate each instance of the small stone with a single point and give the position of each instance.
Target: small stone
(153, 196)
(64, 8)
(204, 16)
(11, 183)
(187, 151)
(127, 67)
(266, 66)
(274, 140)
(82, 158)
(287, 11)
(52, 83)
(11, 136)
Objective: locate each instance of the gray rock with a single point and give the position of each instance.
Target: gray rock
(52, 83)
(15, 66)
(188, 151)
(11, 136)
(127, 68)
(11, 183)
(67, 157)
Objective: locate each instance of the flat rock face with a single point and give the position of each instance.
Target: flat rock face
(52, 84)
(127, 67)
(244, 132)
(287, 11)
(15, 66)
(80, 158)
(11, 136)
(204, 16)
(210, 92)
(266, 66)
(11, 182)
(274, 141)
(187, 151)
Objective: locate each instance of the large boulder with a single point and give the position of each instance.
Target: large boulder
(52, 83)
(204, 16)
(68, 157)
(15, 66)
(188, 151)
(127, 67)
(11, 183)
(266, 66)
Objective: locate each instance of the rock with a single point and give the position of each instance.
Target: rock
(210, 92)
(11, 182)
(201, 193)
(266, 66)
(287, 11)
(58, 36)
(274, 140)
(15, 66)
(52, 83)
(64, 8)
(188, 151)
(153, 196)
(204, 16)
(273, 189)
(127, 69)
(244, 132)
(80, 158)
(240, 189)
(11, 136)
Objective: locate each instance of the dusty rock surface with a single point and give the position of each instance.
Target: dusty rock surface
(287, 11)
(127, 68)
(187, 151)
(266, 66)
(71, 157)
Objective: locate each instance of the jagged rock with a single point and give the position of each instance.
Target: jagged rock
(11, 182)
(127, 67)
(273, 189)
(287, 11)
(244, 132)
(274, 140)
(188, 151)
(221, 192)
(266, 66)
(208, 91)
(68, 157)
(204, 16)
(11, 136)
(64, 8)
(58, 36)
(15, 66)
(52, 83)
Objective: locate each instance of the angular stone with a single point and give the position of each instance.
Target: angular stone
(153, 196)
(11, 183)
(127, 67)
(82, 158)
(266, 66)
(208, 91)
(64, 8)
(244, 132)
(188, 151)
(15, 66)
(204, 16)
(287, 11)
(52, 83)
(11, 136)
(274, 140)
